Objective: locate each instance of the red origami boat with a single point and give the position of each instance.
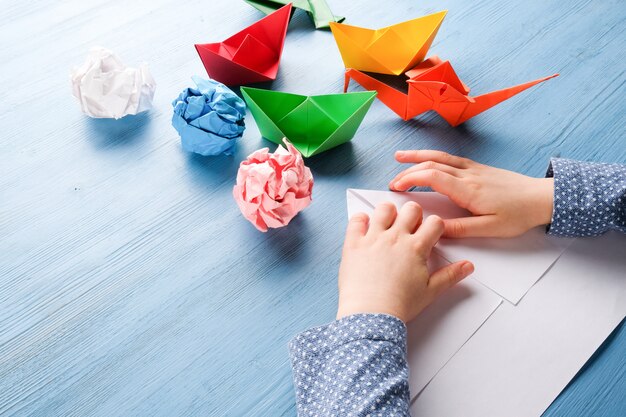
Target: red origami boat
(250, 56)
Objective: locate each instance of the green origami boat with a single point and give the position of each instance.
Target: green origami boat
(313, 124)
(318, 10)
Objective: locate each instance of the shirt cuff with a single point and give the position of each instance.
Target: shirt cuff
(319, 340)
(583, 200)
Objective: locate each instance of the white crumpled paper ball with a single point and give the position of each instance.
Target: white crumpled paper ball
(106, 88)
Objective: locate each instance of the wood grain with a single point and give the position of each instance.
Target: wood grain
(129, 282)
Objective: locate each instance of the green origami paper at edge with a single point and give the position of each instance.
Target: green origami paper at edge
(318, 10)
(313, 124)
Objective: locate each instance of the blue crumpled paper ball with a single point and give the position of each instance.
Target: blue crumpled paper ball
(209, 118)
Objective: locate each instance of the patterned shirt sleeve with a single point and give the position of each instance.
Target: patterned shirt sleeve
(355, 366)
(589, 198)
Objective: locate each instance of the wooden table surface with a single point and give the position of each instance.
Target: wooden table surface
(129, 282)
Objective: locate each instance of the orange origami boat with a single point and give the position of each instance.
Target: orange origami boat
(250, 56)
(433, 85)
(389, 50)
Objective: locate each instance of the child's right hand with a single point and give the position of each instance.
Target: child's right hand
(504, 203)
(383, 266)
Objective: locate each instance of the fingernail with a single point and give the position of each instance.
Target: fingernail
(359, 217)
(467, 268)
(413, 204)
(399, 154)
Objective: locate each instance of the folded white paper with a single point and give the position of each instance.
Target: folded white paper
(523, 356)
(510, 267)
(106, 88)
(442, 328)
(518, 357)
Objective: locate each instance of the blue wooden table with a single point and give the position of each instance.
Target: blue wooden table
(129, 282)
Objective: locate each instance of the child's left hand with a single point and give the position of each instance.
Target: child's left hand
(383, 267)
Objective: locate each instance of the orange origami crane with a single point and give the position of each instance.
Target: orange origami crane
(433, 85)
(250, 56)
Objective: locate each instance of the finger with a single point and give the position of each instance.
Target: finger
(357, 228)
(409, 217)
(448, 276)
(476, 226)
(437, 180)
(429, 234)
(418, 156)
(422, 166)
(383, 217)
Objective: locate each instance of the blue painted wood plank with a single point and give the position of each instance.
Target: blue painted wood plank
(129, 282)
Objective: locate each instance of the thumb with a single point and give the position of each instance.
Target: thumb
(448, 276)
(475, 226)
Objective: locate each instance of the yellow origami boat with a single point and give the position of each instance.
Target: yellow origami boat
(390, 50)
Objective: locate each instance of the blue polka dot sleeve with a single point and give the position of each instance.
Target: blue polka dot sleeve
(355, 366)
(589, 198)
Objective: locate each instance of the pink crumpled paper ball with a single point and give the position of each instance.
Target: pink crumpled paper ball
(273, 187)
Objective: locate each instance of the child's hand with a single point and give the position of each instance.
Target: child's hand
(504, 203)
(383, 267)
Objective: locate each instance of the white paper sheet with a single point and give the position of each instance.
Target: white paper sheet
(510, 267)
(444, 327)
(440, 331)
(523, 356)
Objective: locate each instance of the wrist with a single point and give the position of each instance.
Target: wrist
(346, 309)
(543, 201)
